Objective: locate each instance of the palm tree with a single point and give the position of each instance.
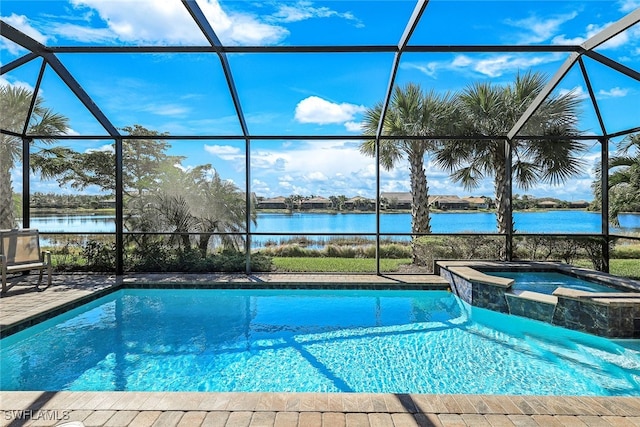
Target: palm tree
(199, 201)
(411, 112)
(14, 106)
(624, 179)
(488, 111)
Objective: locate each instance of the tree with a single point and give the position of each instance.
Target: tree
(199, 201)
(14, 107)
(624, 179)
(411, 113)
(488, 111)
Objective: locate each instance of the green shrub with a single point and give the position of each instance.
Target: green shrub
(100, 256)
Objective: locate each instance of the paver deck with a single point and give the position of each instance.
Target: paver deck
(23, 306)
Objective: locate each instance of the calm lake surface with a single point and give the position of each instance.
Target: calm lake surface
(560, 221)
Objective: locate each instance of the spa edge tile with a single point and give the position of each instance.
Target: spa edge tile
(547, 420)
(522, 420)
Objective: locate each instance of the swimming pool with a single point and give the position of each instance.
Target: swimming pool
(310, 341)
(546, 282)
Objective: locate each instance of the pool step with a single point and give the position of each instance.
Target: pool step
(533, 305)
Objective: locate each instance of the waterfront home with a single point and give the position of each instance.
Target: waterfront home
(399, 200)
(272, 203)
(447, 202)
(318, 202)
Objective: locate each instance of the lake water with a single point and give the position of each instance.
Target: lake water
(560, 221)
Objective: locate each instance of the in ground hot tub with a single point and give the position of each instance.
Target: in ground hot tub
(546, 282)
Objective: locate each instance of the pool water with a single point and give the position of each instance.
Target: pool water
(310, 341)
(547, 282)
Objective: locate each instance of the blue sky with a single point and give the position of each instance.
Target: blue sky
(309, 94)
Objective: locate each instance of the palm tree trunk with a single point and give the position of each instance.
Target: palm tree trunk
(7, 215)
(420, 221)
(502, 193)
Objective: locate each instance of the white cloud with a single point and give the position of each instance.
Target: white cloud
(106, 147)
(353, 126)
(225, 152)
(629, 5)
(591, 30)
(537, 29)
(150, 21)
(614, 92)
(491, 65)
(320, 111)
(20, 22)
(304, 10)
(82, 33)
(168, 110)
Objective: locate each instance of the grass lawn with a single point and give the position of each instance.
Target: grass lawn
(619, 267)
(336, 265)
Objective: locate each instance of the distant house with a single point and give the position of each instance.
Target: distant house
(316, 203)
(107, 204)
(360, 203)
(579, 204)
(397, 200)
(478, 202)
(547, 204)
(272, 203)
(447, 202)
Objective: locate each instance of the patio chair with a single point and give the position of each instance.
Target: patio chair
(20, 251)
